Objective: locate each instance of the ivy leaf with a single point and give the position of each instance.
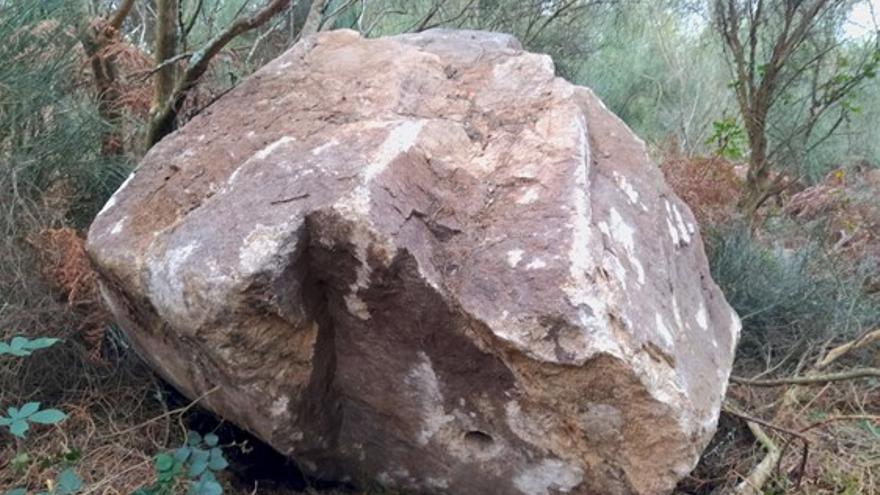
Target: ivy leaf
(68, 482)
(28, 409)
(47, 417)
(18, 427)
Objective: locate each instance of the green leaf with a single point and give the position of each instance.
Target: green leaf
(12, 411)
(210, 487)
(182, 454)
(47, 416)
(18, 428)
(197, 468)
(199, 455)
(17, 491)
(18, 343)
(193, 438)
(4, 421)
(40, 343)
(164, 462)
(217, 461)
(5, 349)
(21, 459)
(68, 482)
(28, 409)
(211, 440)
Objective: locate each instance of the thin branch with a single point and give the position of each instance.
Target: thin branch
(753, 483)
(167, 414)
(854, 374)
(177, 58)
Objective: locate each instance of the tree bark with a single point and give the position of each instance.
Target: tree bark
(170, 98)
(163, 88)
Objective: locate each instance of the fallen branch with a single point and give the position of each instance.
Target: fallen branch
(817, 379)
(841, 350)
(752, 484)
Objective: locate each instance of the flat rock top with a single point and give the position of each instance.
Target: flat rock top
(522, 200)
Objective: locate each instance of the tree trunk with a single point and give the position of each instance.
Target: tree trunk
(171, 91)
(163, 90)
(757, 184)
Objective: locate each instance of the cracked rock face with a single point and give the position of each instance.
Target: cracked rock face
(425, 261)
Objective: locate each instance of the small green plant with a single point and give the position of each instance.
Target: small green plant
(191, 467)
(729, 138)
(23, 347)
(66, 483)
(18, 419)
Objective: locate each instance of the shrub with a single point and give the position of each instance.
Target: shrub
(789, 298)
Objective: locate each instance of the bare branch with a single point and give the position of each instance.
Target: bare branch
(121, 13)
(817, 379)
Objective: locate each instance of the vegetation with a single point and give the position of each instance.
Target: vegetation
(764, 115)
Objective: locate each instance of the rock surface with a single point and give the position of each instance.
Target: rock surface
(425, 261)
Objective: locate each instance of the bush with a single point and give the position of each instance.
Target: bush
(789, 298)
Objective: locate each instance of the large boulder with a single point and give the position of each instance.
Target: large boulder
(426, 261)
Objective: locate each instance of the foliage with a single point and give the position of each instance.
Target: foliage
(50, 130)
(789, 297)
(18, 419)
(729, 139)
(66, 483)
(192, 466)
(23, 346)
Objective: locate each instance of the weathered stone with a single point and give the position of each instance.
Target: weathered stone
(425, 260)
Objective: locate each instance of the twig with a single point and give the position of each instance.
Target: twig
(834, 419)
(172, 412)
(147, 73)
(811, 379)
(752, 484)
